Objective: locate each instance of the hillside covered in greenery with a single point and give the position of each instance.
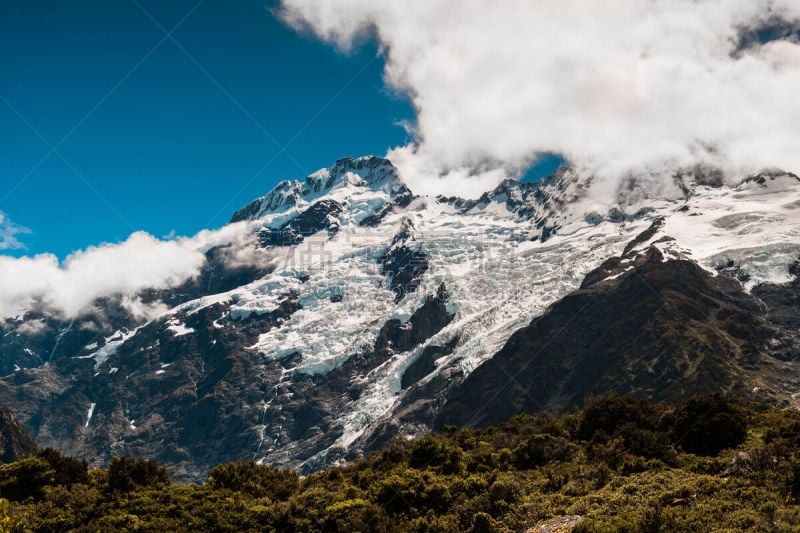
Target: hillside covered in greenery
(621, 464)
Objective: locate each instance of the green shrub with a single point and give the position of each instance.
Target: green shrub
(67, 469)
(539, 450)
(433, 452)
(127, 473)
(482, 523)
(707, 425)
(590, 526)
(793, 483)
(254, 479)
(607, 415)
(354, 515)
(635, 421)
(411, 493)
(25, 479)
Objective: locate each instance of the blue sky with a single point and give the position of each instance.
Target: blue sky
(166, 134)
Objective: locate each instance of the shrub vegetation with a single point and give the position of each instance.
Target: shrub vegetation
(623, 464)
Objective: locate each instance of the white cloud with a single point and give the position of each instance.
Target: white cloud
(32, 328)
(9, 232)
(142, 261)
(616, 86)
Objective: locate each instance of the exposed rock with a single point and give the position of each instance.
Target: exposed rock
(425, 363)
(643, 237)
(184, 400)
(396, 337)
(404, 262)
(15, 441)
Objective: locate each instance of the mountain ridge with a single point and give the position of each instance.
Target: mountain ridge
(297, 344)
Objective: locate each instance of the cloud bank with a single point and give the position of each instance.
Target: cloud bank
(615, 86)
(68, 289)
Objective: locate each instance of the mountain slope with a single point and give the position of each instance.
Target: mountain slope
(15, 442)
(348, 311)
(661, 329)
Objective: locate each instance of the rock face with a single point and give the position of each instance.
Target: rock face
(347, 311)
(404, 262)
(15, 441)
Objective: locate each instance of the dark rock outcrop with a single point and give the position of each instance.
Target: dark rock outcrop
(185, 400)
(404, 262)
(15, 441)
(396, 336)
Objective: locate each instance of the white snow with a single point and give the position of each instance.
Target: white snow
(89, 414)
(757, 227)
(178, 328)
(111, 346)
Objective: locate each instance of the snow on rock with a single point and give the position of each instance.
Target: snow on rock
(89, 414)
(755, 226)
(366, 182)
(111, 346)
(178, 328)
(263, 296)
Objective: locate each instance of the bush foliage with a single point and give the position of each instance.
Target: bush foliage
(623, 464)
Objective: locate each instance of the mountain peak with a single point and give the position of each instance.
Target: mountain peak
(371, 169)
(348, 172)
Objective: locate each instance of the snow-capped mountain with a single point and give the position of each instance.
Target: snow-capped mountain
(357, 311)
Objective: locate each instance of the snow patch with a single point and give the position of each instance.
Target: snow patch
(89, 414)
(112, 344)
(178, 328)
